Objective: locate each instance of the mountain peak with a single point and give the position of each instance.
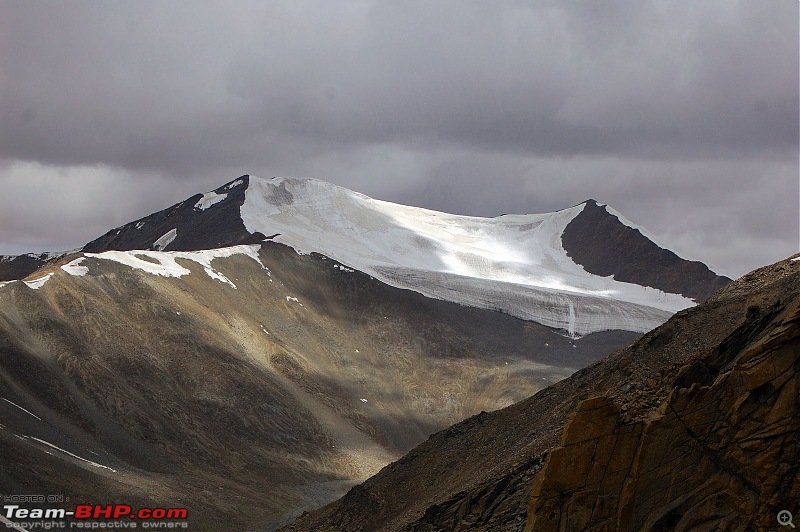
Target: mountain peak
(204, 221)
(581, 269)
(605, 243)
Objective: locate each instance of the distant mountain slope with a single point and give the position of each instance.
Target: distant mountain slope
(253, 351)
(532, 266)
(20, 266)
(693, 426)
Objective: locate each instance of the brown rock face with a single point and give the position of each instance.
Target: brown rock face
(720, 452)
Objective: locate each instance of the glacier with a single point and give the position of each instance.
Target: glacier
(512, 263)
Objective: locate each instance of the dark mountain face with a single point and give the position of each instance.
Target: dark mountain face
(603, 245)
(693, 426)
(196, 225)
(20, 266)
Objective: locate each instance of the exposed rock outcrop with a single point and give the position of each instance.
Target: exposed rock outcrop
(721, 452)
(194, 225)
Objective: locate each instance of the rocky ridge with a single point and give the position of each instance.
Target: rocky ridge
(603, 244)
(719, 452)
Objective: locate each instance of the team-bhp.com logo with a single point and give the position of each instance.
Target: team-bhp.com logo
(88, 516)
(117, 511)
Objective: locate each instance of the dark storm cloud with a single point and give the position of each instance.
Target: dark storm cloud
(676, 111)
(154, 85)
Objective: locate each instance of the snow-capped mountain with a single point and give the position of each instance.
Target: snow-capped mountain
(273, 342)
(573, 270)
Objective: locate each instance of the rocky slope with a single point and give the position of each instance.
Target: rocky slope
(693, 426)
(203, 221)
(245, 383)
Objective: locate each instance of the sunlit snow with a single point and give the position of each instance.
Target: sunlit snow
(38, 283)
(511, 263)
(74, 267)
(166, 265)
(209, 199)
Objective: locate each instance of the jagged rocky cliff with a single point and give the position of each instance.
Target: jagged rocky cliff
(719, 452)
(693, 426)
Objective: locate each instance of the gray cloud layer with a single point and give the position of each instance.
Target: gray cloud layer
(684, 116)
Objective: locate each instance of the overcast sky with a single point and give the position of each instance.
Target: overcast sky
(682, 115)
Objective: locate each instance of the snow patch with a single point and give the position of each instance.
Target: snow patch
(209, 199)
(164, 263)
(290, 298)
(165, 240)
(513, 263)
(363, 400)
(795, 259)
(343, 268)
(94, 464)
(234, 184)
(23, 409)
(218, 276)
(74, 267)
(38, 283)
(139, 225)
